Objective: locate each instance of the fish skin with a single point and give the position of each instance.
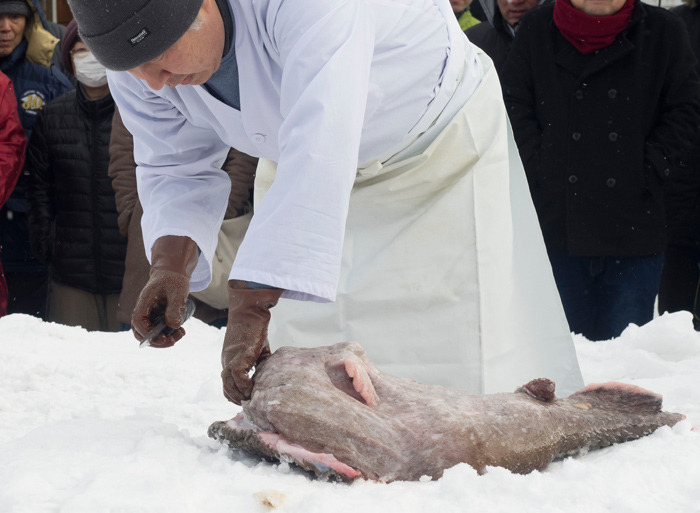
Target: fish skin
(389, 428)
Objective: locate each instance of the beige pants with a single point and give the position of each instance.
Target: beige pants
(444, 277)
(76, 307)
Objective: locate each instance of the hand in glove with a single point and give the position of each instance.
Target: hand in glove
(173, 260)
(245, 343)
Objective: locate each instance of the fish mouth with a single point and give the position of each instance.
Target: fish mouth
(241, 434)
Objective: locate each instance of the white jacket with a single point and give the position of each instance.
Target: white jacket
(326, 87)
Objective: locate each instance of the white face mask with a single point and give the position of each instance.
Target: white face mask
(88, 70)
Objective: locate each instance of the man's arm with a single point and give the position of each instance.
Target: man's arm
(181, 186)
(184, 195)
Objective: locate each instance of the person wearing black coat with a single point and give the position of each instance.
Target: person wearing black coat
(71, 204)
(600, 102)
(495, 35)
(680, 278)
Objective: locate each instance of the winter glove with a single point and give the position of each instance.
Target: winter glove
(173, 260)
(245, 343)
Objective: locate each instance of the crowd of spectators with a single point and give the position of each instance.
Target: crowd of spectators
(604, 102)
(28, 56)
(70, 237)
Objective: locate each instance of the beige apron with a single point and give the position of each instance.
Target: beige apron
(444, 276)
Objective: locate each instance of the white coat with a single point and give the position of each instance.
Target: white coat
(326, 87)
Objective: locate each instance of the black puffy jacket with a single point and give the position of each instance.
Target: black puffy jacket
(71, 206)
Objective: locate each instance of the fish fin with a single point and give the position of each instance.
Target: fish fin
(349, 374)
(621, 395)
(361, 381)
(541, 389)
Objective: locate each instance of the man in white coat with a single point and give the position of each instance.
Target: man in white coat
(391, 207)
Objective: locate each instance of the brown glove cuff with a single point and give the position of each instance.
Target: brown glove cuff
(242, 297)
(174, 253)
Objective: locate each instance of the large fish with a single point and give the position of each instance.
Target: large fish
(331, 411)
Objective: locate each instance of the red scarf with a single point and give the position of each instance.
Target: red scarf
(590, 33)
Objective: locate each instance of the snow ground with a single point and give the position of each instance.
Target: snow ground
(91, 423)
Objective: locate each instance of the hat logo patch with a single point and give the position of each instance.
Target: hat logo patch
(139, 37)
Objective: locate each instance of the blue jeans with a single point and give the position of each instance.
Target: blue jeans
(603, 295)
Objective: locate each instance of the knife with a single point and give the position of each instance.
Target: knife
(159, 326)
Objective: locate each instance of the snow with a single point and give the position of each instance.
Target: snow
(91, 423)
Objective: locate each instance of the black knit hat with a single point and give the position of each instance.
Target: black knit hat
(15, 7)
(123, 34)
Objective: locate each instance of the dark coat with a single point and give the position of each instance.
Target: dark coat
(691, 18)
(492, 36)
(477, 10)
(71, 206)
(596, 132)
(683, 194)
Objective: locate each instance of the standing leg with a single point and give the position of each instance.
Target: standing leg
(73, 307)
(576, 287)
(679, 278)
(27, 291)
(627, 292)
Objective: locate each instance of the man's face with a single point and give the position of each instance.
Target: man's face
(513, 10)
(459, 5)
(193, 59)
(11, 32)
(598, 7)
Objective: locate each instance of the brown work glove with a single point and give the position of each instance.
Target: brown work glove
(173, 260)
(245, 343)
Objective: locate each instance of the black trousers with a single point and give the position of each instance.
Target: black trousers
(680, 279)
(601, 296)
(27, 292)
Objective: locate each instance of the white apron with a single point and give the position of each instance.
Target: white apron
(445, 278)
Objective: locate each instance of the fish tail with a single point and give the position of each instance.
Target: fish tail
(621, 395)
